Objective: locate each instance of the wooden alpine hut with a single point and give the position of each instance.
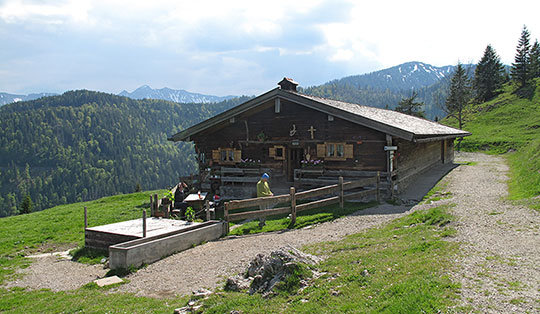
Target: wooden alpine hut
(308, 141)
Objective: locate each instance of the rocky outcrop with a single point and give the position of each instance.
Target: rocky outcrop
(266, 271)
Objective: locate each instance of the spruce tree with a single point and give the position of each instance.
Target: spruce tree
(410, 107)
(26, 205)
(534, 65)
(489, 75)
(459, 94)
(521, 65)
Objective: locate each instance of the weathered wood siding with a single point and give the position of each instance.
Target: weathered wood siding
(416, 157)
(242, 133)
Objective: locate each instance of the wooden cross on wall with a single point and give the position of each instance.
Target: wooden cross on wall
(312, 131)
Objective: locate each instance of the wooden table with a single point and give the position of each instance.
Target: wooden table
(194, 201)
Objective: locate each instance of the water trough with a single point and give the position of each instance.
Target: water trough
(153, 248)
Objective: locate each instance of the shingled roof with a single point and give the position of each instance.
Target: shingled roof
(388, 121)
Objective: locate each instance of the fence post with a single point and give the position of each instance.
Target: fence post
(293, 205)
(151, 206)
(341, 194)
(207, 208)
(144, 223)
(226, 217)
(156, 204)
(85, 218)
(378, 187)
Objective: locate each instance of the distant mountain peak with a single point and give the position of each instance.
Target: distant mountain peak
(6, 98)
(176, 95)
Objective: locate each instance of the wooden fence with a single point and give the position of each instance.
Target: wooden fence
(336, 190)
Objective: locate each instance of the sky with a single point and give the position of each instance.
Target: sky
(241, 47)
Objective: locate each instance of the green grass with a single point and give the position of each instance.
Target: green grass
(61, 227)
(407, 261)
(437, 193)
(504, 123)
(303, 219)
(509, 124)
(88, 299)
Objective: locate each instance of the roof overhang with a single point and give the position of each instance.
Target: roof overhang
(186, 134)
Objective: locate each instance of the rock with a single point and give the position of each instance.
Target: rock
(107, 281)
(191, 303)
(238, 283)
(183, 310)
(266, 271)
(365, 273)
(201, 293)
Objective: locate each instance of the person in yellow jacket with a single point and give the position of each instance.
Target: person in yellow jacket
(263, 190)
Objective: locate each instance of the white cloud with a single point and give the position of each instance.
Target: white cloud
(58, 13)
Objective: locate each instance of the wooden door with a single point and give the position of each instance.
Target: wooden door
(294, 158)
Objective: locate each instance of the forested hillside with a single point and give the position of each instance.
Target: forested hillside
(83, 145)
(385, 88)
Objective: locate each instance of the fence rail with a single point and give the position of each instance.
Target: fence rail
(292, 197)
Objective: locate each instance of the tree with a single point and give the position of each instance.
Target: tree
(459, 94)
(534, 65)
(521, 65)
(26, 205)
(489, 75)
(410, 107)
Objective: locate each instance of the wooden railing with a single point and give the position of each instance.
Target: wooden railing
(336, 190)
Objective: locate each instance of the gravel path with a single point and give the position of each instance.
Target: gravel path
(499, 264)
(56, 272)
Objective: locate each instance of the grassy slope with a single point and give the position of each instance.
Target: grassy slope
(505, 124)
(62, 226)
(406, 261)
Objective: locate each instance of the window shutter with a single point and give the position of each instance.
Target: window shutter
(215, 155)
(349, 153)
(237, 155)
(272, 152)
(321, 150)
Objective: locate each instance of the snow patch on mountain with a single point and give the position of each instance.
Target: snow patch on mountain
(6, 98)
(180, 96)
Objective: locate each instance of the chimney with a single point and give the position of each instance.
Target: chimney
(288, 84)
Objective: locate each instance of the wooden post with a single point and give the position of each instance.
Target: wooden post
(85, 218)
(144, 223)
(293, 205)
(156, 204)
(378, 187)
(226, 217)
(341, 193)
(207, 208)
(151, 206)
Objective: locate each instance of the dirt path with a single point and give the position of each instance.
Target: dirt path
(499, 264)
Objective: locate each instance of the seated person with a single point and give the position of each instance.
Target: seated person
(179, 197)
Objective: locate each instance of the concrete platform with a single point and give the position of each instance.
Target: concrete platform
(101, 237)
(154, 226)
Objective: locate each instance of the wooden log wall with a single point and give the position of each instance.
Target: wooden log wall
(242, 133)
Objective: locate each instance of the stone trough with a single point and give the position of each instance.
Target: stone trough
(151, 249)
(127, 246)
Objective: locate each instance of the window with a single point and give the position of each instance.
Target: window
(277, 152)
(226, 155)
(335, 151)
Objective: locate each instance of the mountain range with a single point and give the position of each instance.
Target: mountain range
(176, 95)
(6, 98)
